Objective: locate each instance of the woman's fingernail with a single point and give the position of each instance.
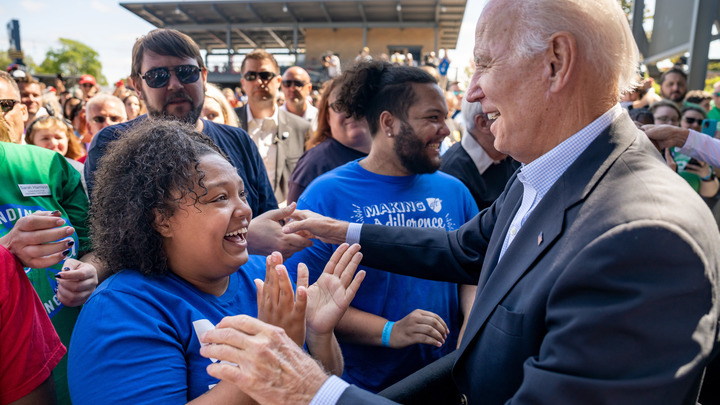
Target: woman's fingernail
(56, 212)
(58, 275)
(70, 243)
(66, 268)
(67, 252)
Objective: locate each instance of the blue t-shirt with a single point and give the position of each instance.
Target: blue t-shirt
(236, 144)
(354, 194)
(135, 342)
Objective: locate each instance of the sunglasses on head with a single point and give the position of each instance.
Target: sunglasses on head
(296, 83)
(8, 104)
(160, 77)
(692, 121)
(264, 76)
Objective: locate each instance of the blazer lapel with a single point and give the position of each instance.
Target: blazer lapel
(544, 225)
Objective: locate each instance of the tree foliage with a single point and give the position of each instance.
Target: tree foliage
(5, 61)
(72, 58)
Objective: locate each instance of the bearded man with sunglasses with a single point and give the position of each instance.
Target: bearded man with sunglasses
(169, 74)
(279, 135)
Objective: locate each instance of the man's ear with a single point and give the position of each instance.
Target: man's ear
(388, 123)
(162, 224)
(24, 112)
(561, 58)
(480, 121)
(136, 83)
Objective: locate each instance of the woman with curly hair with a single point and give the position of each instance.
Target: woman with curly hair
(169, 217)
(337, 140)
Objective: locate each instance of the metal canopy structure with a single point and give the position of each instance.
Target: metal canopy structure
(679, 27)
(245, 24)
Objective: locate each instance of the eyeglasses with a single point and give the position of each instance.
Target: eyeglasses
(160, 77)
(100, 119)
(692, 121)
(296, 83)
(264, 76)
(671, 120)
(8, 104)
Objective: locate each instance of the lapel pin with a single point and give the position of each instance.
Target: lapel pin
(540, 238)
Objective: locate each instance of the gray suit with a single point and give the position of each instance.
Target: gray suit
(608, 294)
(290, 140)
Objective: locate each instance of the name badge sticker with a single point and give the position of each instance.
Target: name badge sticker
(34, 190)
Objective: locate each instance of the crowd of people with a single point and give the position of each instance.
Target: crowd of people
(399, 238)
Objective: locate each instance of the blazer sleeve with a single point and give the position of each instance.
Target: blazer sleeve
(431, 253)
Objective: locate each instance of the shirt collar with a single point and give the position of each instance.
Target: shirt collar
(544, 171)
(478, 155)
(273, 117)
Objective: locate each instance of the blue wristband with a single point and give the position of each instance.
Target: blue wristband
(387, 330)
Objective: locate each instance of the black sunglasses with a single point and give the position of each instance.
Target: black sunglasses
(296, 83)
(692, 121)
(100, 119)
(160, 77)
(8, 104)
(264, 76)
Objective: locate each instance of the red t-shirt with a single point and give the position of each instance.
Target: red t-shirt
(29, 346)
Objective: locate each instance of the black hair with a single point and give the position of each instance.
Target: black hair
(145, 174)
(370, 88)
(671, 71)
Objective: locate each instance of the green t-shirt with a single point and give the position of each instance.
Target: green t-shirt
(36, 179)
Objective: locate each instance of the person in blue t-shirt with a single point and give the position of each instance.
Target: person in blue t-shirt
(396, 324)
(170, 219)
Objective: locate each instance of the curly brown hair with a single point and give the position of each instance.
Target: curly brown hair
(144, 174)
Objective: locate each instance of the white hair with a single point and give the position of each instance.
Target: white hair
(102, 98)
(600, 28)
(469, 111)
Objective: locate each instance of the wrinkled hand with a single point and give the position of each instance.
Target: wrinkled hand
(265, 233)
(419, 326)
(276, 302)
(323, 228)
(665, 136)
(330, 296)
(37, 239)
(270, 368)
(76, 282)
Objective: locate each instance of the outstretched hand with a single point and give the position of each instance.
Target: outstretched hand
(326, 229)
(269, 368)
(38, 240)
(277, 305)
(265, 233)
(330, 296)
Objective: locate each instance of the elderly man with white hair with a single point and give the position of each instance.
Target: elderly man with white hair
(597, 268)
(101, 111)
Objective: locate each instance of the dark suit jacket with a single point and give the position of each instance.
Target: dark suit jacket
(605, 295)
(290, 140)
(485, 187)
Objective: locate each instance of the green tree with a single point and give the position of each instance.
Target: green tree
(72, 58)
(5, 61)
